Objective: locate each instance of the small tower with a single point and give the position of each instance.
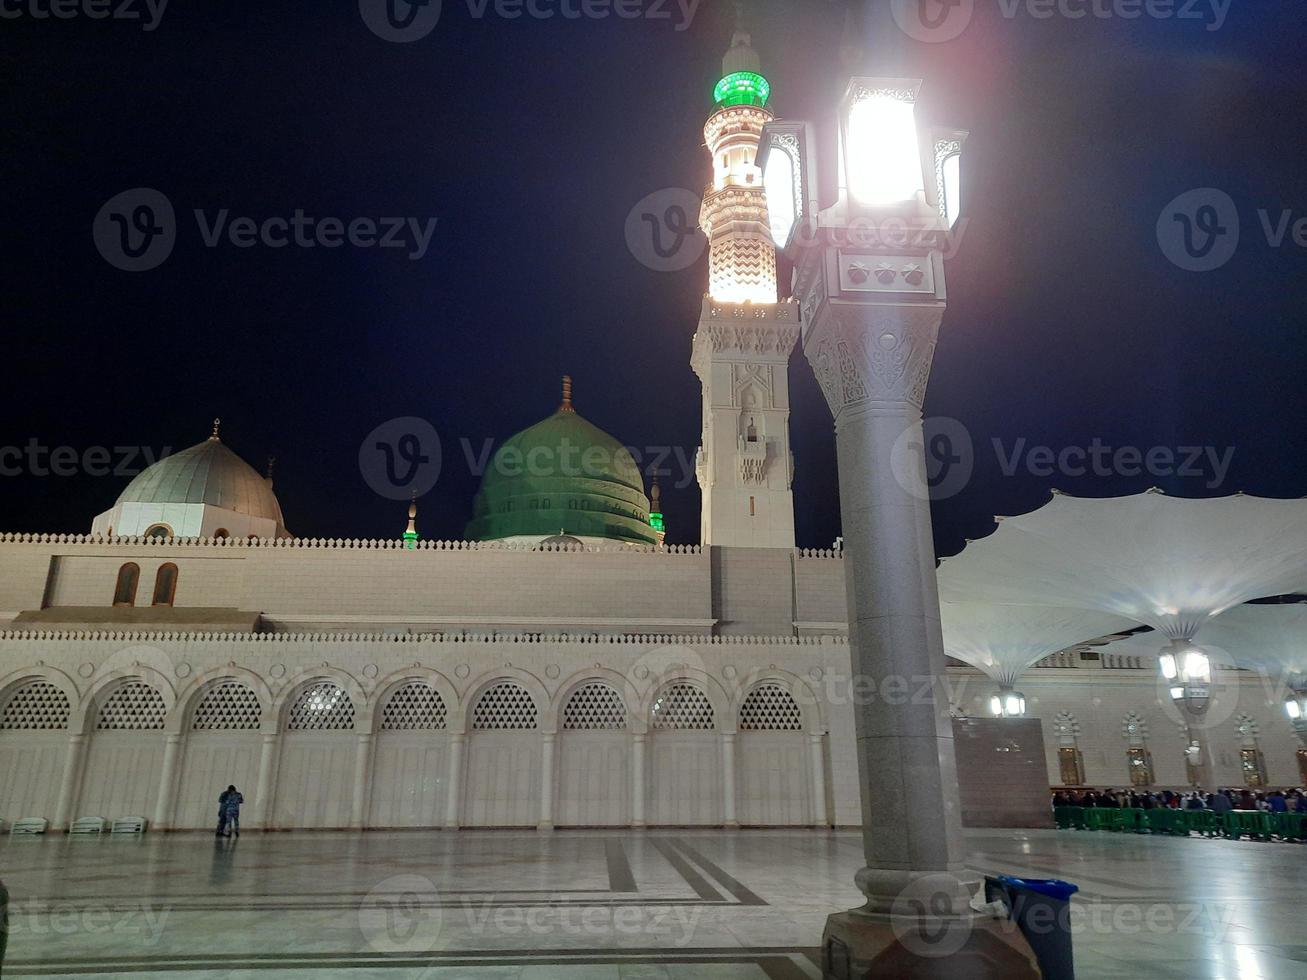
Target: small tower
(745, 336)
(411, 532)
(656, 512)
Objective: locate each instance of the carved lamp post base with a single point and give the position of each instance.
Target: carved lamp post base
(859, 944)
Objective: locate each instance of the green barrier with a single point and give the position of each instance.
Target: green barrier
(1289, 826)
(1099, 818)
(1203, 822)
(1164, 820)
(1062, 817)
(1252, 823)
(1133, 820)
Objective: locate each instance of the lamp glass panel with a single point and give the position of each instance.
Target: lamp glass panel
(1177, 693)
(952, 172)
(1293, 709)
(1167, 663)
(995, 705)
(780, 181)
(1197, 667)
(882, 154)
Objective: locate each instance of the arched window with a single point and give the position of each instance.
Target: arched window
(321, 707)
(124, 592)
(504, 707)
(594, 707)
(1070, 762)
(1251, 761)
(413, 707)
(135, 706)
(682, 707)
(158, 531)
(222, 534)
(770, 708)
(38, 706)
(1138, 758)
(165, 585)
(228, 707)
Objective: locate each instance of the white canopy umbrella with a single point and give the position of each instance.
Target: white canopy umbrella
(1003, 641)
(1168, 562)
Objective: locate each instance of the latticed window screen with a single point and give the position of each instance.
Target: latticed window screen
(413, 707)
(135, 705)
(230, 707)
(1140, 761)
(504, 707)
(1071, 766)
(770, 708)
(1253, 765)
(321, 707)
(682, 707)
(38, 706)
(594, 708)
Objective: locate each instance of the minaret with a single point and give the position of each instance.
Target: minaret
(411, 532)
(743, 343)
(656, 512)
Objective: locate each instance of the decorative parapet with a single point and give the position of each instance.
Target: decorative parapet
(818, 553)
(356, 544)
(661, 639)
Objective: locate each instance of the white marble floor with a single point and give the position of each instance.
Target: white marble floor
(696, 905)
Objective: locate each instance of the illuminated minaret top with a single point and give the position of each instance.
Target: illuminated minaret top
(741, 258)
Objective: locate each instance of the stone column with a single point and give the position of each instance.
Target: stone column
(71, 781)
(639, 742)
(872, 362)
(454, 783)
(872, 358)
(172, 750)
(728, 781)
(362, 781)
(263, 794)
(547, 740)
(817, 751)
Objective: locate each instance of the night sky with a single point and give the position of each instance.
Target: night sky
(529, 141)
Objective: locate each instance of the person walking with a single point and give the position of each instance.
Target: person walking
(230, 804)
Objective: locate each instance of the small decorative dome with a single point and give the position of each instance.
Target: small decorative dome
(564, 477)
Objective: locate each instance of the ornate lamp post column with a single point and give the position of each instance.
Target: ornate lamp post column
(869, 279)
(1187, 671)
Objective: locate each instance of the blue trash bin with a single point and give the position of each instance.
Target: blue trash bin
(1040, 908)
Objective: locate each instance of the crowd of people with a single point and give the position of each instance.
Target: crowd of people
(1222, 801)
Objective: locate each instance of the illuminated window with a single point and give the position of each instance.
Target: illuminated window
(1253, 765)
(165, 585)
(1071, 766)
(124, 593)
(1141, 766)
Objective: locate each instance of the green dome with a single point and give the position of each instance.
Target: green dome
(563, 475)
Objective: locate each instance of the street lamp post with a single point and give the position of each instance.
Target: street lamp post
(869, 279)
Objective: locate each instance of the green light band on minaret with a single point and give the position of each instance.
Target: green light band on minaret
(742, 88)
